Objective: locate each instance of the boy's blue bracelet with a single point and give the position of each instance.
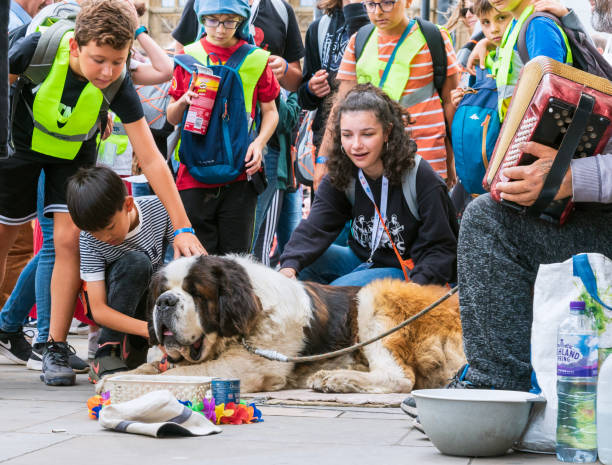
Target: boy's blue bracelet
(321, 159)
(286, 68)
(140, 30)
(183, 230)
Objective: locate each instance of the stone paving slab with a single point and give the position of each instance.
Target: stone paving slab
(30, 412)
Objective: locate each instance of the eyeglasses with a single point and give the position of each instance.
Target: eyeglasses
(464, 11)
(385, 6)
(230, 24)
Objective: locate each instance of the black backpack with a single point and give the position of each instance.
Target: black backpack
(585, 56)
(434, 40)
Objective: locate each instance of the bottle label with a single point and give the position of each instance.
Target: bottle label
(577, 355)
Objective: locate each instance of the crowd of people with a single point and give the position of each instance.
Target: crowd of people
(387, 196)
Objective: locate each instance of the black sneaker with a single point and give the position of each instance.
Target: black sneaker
(35, 360)
(408, 405)
(15, 347)
(55, 367)
(77, 364)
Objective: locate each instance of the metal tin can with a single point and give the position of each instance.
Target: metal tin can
(225, 390)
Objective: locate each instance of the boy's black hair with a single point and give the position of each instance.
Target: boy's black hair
(94, 196)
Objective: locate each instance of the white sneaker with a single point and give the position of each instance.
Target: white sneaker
(35, 360)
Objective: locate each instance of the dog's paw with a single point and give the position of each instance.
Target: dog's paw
(330, 381)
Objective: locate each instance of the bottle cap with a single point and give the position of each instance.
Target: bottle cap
(577, 305)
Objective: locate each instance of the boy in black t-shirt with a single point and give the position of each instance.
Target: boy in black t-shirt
(54, 131)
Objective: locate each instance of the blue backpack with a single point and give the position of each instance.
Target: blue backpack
(218, 156)
(475, 130)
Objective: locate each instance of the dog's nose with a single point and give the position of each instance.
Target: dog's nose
(167, 300)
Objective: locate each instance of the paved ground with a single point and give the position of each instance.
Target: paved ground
(44, 425)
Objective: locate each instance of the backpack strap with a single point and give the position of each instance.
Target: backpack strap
(435, 42)
(521, 44)
(235, 61)
(408, 189)
(187, 62)
(46, 50)
(322, 29)
(281, 9)
(363, 34)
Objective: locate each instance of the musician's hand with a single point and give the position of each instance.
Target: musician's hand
(552, 7)
(528, 180)
(478, 56)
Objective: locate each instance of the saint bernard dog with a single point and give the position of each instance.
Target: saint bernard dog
(201, 308)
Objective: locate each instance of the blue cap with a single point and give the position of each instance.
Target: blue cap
(577, 305)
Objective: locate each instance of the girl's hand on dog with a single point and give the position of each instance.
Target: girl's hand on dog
(289, 272)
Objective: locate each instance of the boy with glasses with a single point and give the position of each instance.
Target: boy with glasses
(223, 213)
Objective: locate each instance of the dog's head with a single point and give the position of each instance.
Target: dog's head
(197, 303)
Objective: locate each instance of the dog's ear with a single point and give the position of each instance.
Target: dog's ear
(155, 289)
(238, 304)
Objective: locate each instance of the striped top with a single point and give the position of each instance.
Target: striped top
(152, 235)
(428, 127)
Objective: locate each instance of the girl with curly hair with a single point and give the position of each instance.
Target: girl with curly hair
(370, 163)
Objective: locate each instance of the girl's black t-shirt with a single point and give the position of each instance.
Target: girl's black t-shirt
(430, 242)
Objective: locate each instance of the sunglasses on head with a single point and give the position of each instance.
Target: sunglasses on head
(464, 11)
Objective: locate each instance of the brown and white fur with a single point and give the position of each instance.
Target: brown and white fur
(202, 307)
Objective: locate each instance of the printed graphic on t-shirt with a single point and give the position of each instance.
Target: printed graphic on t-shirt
(362, 231)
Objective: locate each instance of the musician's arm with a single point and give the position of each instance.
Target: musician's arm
(592, 179)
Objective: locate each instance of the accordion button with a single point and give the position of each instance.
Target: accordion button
(593, 135)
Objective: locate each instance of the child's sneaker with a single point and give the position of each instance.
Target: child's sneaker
(106, 362)
(77, 364)
(15, 347)
(134, 351)
(55, 366)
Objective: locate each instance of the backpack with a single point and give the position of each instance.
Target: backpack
(304, 148)
(585, 56)
(218, 156)
(435, 43)
(408, 189)
(155, 99)
(474, 131)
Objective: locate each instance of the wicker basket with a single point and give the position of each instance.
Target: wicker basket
(127, 387)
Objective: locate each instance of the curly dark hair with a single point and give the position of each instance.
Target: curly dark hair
(397, 155)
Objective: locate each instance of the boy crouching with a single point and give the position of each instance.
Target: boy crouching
(122, 243)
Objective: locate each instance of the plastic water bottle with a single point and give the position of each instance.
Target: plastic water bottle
(604, 412)
(576, 387)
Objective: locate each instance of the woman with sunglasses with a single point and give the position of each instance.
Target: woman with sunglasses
(462, 17)
(396, 58)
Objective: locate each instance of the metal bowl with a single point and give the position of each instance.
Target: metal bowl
(473, 422)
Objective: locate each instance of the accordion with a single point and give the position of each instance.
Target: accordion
(560, 107)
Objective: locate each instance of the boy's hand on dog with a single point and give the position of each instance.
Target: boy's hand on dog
(187, 245)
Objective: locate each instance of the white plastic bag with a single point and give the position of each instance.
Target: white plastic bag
(555, 288)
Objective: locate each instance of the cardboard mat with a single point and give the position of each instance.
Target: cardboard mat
(309, 397)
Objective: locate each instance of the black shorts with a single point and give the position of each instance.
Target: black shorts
(19, 185)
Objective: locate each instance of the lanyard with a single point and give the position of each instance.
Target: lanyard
(377, 231)
(383, 79)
